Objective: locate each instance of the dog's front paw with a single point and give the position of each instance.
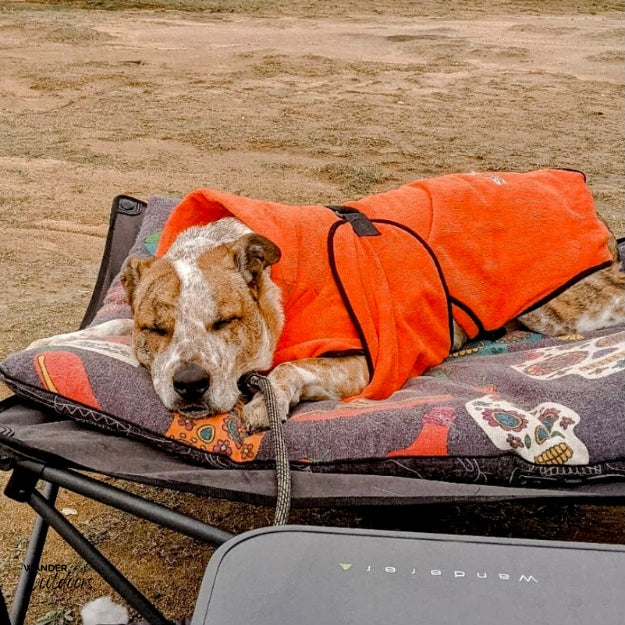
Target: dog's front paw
(255, 415)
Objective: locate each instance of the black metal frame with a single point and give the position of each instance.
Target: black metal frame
(23, 487)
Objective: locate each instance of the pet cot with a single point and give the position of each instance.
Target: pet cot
(516, 418)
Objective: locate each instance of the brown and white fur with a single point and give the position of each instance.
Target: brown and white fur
(208, 312)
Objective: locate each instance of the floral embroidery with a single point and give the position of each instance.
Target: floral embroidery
(514, 441)
(202, 434)
(185, 423)
(247, 451)
(543, 435)
(235, 429)
(555, 363)
(507, 420)
(549, 417)
(222, 447)
(591, 359)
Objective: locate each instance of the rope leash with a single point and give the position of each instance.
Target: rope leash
(260, 383)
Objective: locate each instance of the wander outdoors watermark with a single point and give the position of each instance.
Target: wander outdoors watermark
(57, 576)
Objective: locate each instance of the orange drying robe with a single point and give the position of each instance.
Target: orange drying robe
(387, 274)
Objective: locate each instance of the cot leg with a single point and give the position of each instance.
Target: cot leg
(22, 487)
(98, 562)
(26, 581)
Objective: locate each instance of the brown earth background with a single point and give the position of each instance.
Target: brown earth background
(301, 101)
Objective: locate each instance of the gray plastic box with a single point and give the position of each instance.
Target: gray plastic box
(326, 576)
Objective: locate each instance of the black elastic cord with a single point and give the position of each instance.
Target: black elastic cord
(481, 330)
(564, 287)
(437, 265)
(345, 297)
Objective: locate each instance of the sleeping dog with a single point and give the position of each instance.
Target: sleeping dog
(222, 298)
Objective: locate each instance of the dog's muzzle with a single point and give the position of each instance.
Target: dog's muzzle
(191, 382)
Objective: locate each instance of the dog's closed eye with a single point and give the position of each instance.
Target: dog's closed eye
(155, 330)
(223, 323)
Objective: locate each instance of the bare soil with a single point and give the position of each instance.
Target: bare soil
(297, 102)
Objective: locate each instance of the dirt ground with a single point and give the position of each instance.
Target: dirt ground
(304, 101)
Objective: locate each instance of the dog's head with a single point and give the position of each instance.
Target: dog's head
(203, 319)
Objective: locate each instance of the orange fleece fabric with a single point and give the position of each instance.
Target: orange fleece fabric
(478, 248)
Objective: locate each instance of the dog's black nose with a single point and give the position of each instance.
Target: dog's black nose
(191, 382)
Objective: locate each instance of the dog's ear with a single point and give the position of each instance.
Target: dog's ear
(253, 253)
(131, 275)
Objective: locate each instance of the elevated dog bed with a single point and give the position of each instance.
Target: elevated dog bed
(520, 417)
(519, 410)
